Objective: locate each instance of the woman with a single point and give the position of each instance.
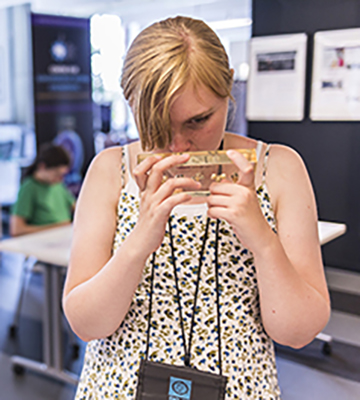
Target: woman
(177, 80)
(43, 201)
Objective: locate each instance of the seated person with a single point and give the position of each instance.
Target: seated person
(43, 201)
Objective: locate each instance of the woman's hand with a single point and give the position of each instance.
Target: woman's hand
(158, 198)
(238, 204)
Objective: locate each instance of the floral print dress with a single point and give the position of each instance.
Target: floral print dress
(111, 364)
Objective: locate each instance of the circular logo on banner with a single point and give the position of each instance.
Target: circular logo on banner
(59, 50)
(180, 388)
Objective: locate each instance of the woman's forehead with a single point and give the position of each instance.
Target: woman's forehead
(193, 100)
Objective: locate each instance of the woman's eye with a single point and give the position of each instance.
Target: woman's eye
(198, 121)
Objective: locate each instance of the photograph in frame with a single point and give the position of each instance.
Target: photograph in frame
(276, 85)
(335, 89)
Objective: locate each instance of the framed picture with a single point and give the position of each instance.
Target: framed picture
(276, 86)
(335, 90)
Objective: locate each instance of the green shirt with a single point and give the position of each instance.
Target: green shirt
(41, 203)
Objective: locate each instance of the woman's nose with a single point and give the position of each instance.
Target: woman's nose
(179, 143)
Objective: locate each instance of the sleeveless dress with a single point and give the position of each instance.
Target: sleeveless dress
(111, 364)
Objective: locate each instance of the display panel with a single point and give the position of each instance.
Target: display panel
(335, 90)
(276, 86)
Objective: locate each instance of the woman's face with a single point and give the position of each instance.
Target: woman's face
(52, 175)
(198, 119)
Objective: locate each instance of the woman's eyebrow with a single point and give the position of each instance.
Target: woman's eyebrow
(201, 115)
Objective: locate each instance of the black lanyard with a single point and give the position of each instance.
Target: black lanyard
(187, 349)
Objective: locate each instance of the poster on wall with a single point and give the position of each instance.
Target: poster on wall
(276, 85)
(62, 88)
(335, 90)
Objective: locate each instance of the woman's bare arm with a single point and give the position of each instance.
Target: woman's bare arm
(100, 285)
(97, 290)
(294, 299)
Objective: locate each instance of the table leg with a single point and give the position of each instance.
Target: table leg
(47, 339)
(56, 318)
(52, 332)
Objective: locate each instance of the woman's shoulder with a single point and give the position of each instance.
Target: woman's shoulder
(27, 180)
(107, 165)
(286, 171)
(105, 168)
(110, 155)
(236, 141)
(114, 155)
(279, 154)
(28, 183)
(103, 179)
(284, 158)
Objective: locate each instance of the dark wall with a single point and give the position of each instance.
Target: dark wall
(331, 150)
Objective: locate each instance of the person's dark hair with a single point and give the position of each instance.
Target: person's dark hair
(51, 156)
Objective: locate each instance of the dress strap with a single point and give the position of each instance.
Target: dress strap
(130, 187)
(258, 149)
(124, 164)
(266, 156)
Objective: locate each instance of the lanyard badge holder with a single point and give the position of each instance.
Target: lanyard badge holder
(171, 382)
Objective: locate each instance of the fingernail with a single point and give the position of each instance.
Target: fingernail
(230, 153)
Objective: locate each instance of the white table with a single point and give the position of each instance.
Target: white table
(52, 248)
(330, 230)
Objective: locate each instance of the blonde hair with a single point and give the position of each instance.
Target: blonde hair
(160, 61)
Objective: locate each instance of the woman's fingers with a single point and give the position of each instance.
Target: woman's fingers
(229, 201)
(219, 200)
(149, 173)
(219, 213)
(142, 171)
(175, 185)
(157, 172)
(172, 201)
(223, 188)
(246, 170)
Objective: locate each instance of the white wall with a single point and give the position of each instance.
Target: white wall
(239, 54)
(16, 94)
(6, 114)
(235, 40)
(23, 100)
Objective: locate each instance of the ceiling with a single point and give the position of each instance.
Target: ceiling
(142, 11)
